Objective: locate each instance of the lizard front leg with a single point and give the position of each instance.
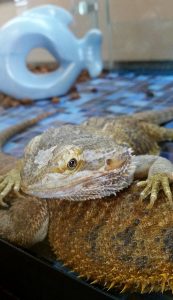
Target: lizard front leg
(10, 181)
(160, 175)
(24, 223)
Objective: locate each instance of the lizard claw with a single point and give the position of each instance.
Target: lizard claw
(2, 203)
(8, 182)
(152, 186)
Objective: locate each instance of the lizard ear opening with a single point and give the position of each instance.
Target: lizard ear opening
(112, 164)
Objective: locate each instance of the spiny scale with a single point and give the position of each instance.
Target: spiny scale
(115, 241)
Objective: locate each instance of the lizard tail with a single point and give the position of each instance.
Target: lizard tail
(9, 132)
(155, 117)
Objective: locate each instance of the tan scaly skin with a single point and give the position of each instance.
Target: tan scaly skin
(113, 241)
(10, 167)
(95, 160)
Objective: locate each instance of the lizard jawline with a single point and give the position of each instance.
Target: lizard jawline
(103, 185)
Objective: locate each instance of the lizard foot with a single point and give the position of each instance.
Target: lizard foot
(8, 182)
(152, 186)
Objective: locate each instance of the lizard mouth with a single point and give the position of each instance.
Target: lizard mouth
(52, 189)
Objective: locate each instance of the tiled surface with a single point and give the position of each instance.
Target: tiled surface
(114, 94)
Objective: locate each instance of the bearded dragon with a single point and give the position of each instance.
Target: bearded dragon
(94, 160)
(113, 241)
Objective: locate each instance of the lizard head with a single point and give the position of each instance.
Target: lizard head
(73, 163)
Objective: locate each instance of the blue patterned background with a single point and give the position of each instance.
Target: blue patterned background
(113, 94)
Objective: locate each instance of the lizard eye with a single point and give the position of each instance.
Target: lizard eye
(72, 164)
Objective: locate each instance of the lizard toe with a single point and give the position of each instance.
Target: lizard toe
(10, 181)
(153, 185)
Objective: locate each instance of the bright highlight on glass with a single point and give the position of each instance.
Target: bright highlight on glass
(20, 2)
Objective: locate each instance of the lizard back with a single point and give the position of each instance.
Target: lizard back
(140, 131)
(115, 242)
(155, 116)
